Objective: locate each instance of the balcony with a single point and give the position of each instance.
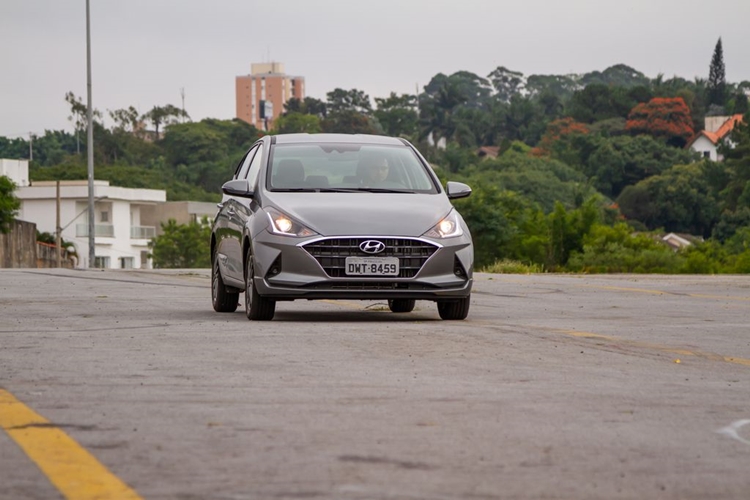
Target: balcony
(100, 230)
(142, 232)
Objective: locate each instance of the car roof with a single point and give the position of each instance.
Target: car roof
(336, 138)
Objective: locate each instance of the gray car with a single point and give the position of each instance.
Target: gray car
(336, 216)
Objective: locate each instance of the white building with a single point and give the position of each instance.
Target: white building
(15, 170)
(716, 131)
(124, 219)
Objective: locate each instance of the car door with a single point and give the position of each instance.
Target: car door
(239, 211)
(228, 230)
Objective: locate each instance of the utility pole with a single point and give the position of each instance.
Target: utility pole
(182, 94)
(31, 146)
(58, 230)
(90, 140)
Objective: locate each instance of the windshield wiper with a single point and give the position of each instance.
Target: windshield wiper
(382, 190)
(341, 190)
(337, 190)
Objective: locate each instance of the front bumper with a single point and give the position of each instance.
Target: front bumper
(287, 270)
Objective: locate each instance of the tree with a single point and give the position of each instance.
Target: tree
(349, 122)
(557, 130)
(188, 143)
(717, 85)
(543, 181)
(79, 116)
(9, 204)
(568, 229)
(349, 112)
(444, 96)
(616, 162)
(619, 75)
(737, 162)
(522, 121)
(125, 119)
(599, 102)
(617, 250)
(308, 106)
(182, 246)
(397, 114)
(680, 199)
(665, 118)
(294, 122)
(507, 83)
(562, 86)
(340, 100)
(14, 148)
(163, 115)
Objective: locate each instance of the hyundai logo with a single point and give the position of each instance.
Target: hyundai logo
(372, 246)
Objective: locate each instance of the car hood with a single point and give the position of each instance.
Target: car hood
(375, 214)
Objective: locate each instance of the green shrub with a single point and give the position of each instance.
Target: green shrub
(507, 266)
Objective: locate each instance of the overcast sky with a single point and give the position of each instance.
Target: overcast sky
(145, 51)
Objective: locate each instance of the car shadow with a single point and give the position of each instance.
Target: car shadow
(361, 316)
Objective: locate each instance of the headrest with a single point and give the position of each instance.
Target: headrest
(289, 171)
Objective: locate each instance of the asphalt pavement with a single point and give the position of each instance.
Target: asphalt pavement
(126, 384)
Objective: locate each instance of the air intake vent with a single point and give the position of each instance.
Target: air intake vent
(331, 253)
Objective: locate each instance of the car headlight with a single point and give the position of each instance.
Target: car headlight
(448, 227)
(285, 225)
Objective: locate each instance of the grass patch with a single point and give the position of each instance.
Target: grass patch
(507, 266)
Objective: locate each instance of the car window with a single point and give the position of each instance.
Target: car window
(348, 166)
(244, 165)
(252, 173)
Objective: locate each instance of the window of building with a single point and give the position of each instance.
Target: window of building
(707, 154)
(104, 216)
(127, 262)
(101, 262)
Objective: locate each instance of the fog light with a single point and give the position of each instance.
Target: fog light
(458, 269)
(275, 268)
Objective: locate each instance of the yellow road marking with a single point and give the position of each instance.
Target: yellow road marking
(71, 469)
(656, 347)
(632, 343)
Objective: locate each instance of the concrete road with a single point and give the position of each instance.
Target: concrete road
(556, 387)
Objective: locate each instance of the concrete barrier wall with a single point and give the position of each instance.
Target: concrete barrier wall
(46, 256)
(18, 247)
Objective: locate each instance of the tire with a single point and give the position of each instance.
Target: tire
(257, 308)
(401, 305)
(222, 300)
(455, 309)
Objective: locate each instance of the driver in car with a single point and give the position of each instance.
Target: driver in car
(374, 172)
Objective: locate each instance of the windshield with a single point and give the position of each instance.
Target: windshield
(348, 168)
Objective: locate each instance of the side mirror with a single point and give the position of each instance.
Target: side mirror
(237, 187)
(457, 190)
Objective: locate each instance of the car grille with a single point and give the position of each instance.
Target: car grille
(331, 254)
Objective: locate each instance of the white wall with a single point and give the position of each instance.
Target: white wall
(16, 170)
(703, 144)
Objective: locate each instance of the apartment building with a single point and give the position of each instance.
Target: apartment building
(261, 95)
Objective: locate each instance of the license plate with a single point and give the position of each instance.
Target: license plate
(372, 266)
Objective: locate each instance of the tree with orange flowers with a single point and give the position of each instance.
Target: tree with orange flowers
(667, 118)
(557, 130)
